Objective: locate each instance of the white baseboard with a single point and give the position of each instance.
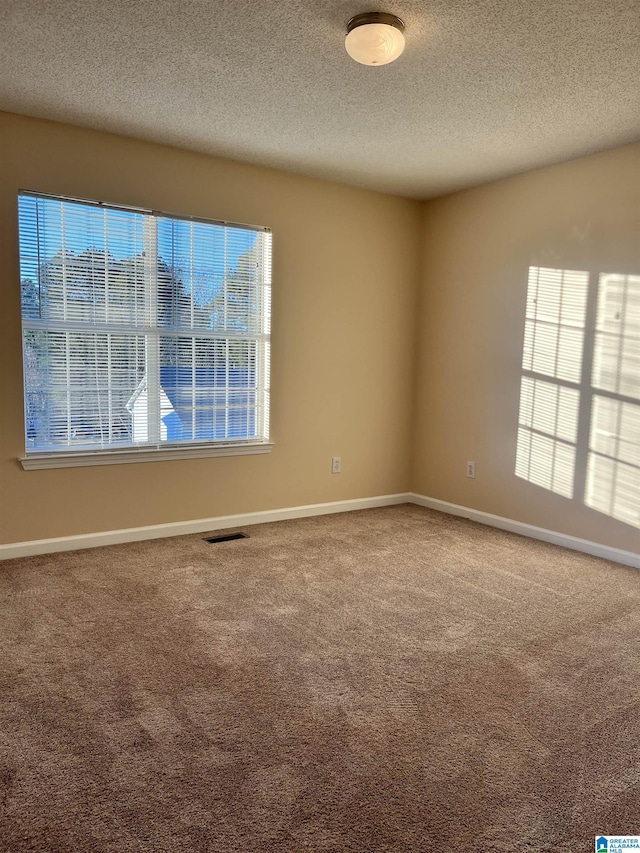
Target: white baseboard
(627, 558)
(200, 525)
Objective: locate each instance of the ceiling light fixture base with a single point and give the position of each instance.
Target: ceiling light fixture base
(375, 18)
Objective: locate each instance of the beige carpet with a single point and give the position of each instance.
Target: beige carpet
(386, 680)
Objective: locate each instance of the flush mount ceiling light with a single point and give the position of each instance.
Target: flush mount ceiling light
(375, 38)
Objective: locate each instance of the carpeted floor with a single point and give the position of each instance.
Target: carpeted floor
(385, 680)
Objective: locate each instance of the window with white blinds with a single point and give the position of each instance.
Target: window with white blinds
(141, 330)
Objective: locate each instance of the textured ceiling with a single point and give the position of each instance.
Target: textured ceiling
(484, 88)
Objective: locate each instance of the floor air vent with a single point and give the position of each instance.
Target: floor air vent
(226, 537)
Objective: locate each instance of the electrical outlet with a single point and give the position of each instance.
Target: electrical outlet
(471, 470)
(336, 465)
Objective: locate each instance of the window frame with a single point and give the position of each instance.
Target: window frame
(166, 450)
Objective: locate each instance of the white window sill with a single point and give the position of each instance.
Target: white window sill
(143, 454)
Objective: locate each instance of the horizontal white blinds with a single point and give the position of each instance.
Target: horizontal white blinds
(141, 329)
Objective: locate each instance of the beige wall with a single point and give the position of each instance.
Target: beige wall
(347, 375)
(477, 248)
(345, 279)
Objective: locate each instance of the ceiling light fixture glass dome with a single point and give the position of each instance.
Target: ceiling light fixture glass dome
(375, 38)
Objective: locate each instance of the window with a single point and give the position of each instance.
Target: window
(144, 335)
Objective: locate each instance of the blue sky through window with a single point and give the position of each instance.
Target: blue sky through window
(77, 227)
